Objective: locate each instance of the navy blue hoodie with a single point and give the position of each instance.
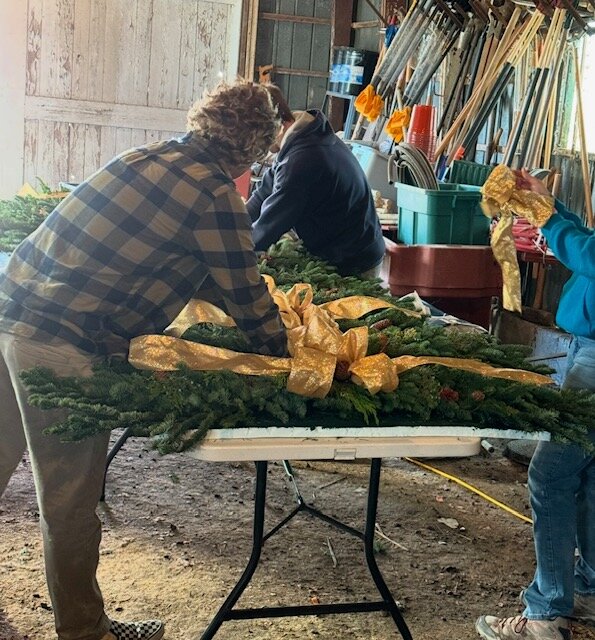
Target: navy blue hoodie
(317, 188)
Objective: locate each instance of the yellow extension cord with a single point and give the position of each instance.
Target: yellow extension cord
(470, 487)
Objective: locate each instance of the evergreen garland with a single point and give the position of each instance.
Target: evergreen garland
(178, 408)
(22, 215)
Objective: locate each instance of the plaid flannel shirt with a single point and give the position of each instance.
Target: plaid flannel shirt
(123, 254)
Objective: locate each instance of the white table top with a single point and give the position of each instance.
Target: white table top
(348, 443)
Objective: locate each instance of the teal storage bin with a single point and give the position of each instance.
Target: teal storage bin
(466, 172)
(450, 215)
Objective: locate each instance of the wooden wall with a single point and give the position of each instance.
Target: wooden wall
(100, 76)
(295, 37)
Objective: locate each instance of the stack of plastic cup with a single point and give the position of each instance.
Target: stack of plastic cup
(422, 129)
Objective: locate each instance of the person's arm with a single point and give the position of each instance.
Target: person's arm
(224, 238)
(570, 241)
(562, 210)
(284, 206)
(260, 194)
(573, 246)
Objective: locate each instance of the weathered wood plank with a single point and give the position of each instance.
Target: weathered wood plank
(107, 146)
(138, 137)
(301, 72)
(101, 113)
(323, 8)
(97, 26)
(304, 19)
(61, 135)
(76, 152)
(33, 46)
(125, 29)
(141, 53)
(45, 152)
(203, 48)
(123, 139)
(81, 74)
(165, 54)
(219, 44)
(57, 28)
(152, 135)
(92, 147)
(30, 154)
(185, 95)
(113, 58)
(321, 46)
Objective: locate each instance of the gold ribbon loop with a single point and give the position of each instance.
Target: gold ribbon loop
(502, 197)
(354, 307)
(375, 373)
(312, 373)
(404, 363)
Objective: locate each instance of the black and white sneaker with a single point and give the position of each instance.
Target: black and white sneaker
(145, 630)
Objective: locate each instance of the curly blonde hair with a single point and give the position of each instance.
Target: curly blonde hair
(240, 118)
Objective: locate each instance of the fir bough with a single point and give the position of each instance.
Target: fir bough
(178, 408)
(22, 215)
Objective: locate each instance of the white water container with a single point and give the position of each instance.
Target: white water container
(375, 166)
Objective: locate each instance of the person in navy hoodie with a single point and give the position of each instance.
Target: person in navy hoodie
(562, 476)
(317, 188)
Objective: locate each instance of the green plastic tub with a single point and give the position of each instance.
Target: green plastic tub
(450, 215)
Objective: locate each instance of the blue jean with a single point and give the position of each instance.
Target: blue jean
(562, 491)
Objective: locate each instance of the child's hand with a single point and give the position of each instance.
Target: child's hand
(524, 180)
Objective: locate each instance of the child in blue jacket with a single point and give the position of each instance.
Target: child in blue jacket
(561, 476)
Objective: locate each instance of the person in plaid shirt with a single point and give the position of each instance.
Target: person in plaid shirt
(118, 258)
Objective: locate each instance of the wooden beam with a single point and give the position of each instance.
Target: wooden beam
(367, 24)
(248, 38)
(104, 114)
(301, 72)
(284, 17)
(341, 19)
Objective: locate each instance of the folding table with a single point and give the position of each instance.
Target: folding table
(261, 445)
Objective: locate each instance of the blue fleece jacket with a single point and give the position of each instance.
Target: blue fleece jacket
(574, 246)
(317, 188)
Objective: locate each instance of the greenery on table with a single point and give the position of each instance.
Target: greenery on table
(178, 408)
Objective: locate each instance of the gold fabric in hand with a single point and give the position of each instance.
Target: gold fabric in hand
(502, 197)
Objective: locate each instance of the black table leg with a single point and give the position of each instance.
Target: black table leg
(391, 605)
(227, 611)
(112, 454)
(257, 540)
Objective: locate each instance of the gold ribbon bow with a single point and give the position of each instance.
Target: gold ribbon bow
(320, 352)
(369, 103)
(397, 123)
(501, 197)
(315, 343)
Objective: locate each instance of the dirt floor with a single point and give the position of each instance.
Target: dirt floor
(177, 535)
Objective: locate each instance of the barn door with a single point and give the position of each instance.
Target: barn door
(91, 78)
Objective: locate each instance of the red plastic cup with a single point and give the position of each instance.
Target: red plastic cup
(422, 129)
(423, 119)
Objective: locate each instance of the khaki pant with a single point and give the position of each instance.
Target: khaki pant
(68, 479)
